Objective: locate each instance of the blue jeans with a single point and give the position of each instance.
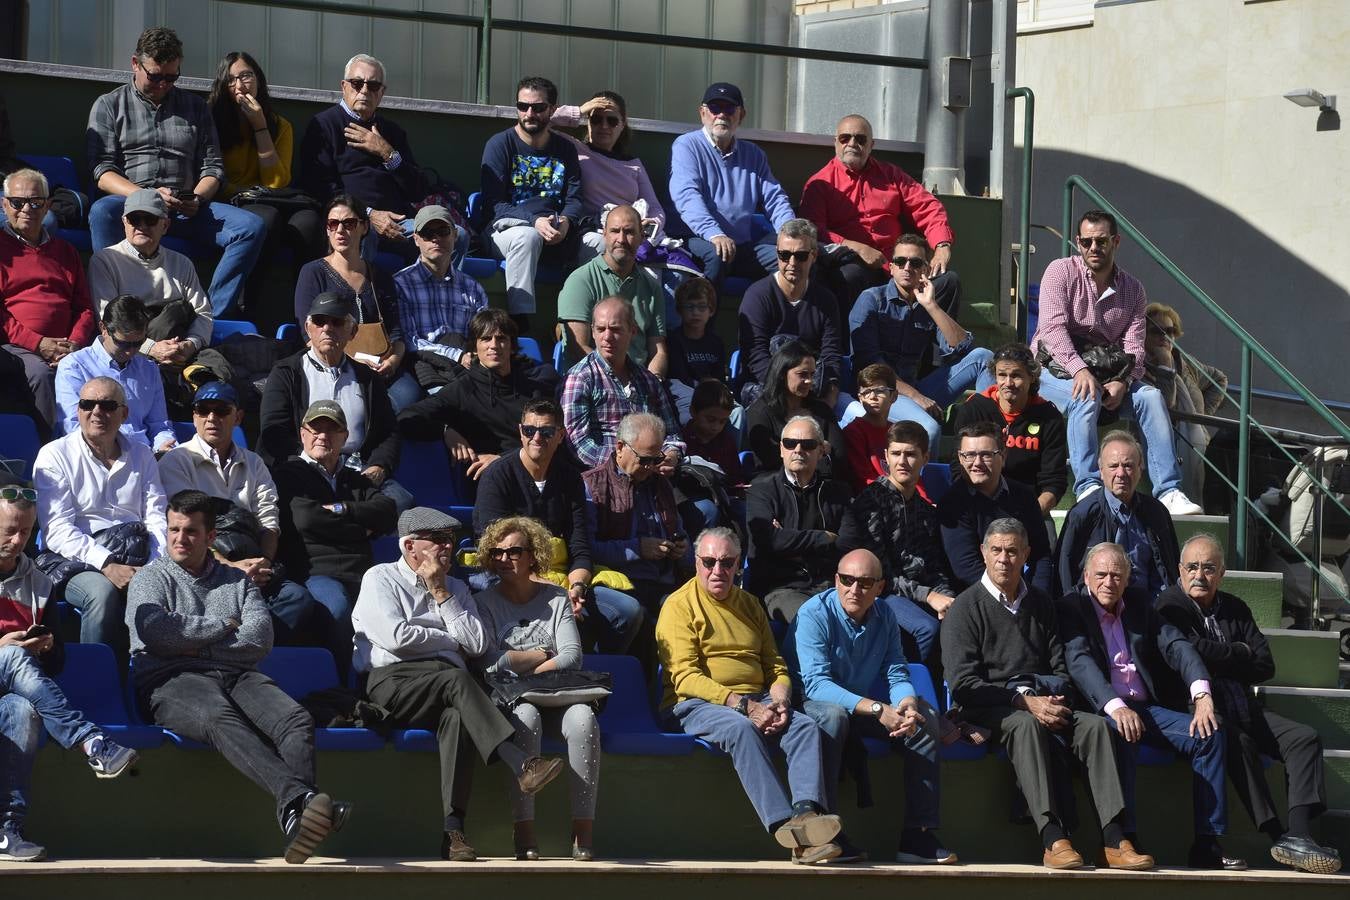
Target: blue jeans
(404, 392)
(943, 386)
(920, 749)
(103, 611)
(918, 627)
(624, 615)
(239, 235)
(21, 674)
(292, 607)
(749, 751)
(1168, 729)
(333, 619)
(20, 728)
(1144, 404)
(753, 259)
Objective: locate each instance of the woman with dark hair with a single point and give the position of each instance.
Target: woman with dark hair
(1033, 428)
(789, 391)
(256, 146)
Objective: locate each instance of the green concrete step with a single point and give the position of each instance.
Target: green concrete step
(982, 321)
(1336, 765)
(1326, 710)
(1305, 658)
(1262, 591)
(1188, 527)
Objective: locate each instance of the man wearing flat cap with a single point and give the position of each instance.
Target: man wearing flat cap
(415, 625)
(718, 183)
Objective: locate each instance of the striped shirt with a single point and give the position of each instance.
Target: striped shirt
(594, 400)
(1072, 309)
(431, 308)
(171, 145)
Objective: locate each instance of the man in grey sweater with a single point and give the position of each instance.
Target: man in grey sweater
(198, 629)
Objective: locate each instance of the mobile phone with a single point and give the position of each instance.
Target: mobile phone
(649, 230)
(36, 631)
(185, 196)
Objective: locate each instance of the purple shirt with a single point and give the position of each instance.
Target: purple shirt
(1071, 307)
(1125, 680)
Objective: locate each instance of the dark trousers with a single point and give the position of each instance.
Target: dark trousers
(1042, 759)
(255, 726)
(437, 694)
(1295, 744)
(782, 603)
(1168, 729)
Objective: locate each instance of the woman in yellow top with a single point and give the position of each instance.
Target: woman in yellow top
(256, 146)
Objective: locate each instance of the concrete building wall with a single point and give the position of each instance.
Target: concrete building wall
(1174, 110)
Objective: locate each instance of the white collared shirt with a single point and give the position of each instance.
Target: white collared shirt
(242, 478)
(1011, 606)
(396, 619)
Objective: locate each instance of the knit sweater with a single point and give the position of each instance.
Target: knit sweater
(179, 622)
(988, 652)
(44, 293)
(329, 166)
(543, 623)
(163, 278)
(719, 194)
(765, 312)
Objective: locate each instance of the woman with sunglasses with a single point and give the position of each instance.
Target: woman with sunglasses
(529, 629)
(345, 273)
(256, 145)
(789, 390)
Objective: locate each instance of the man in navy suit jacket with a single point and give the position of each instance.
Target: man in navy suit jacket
(1137, 671)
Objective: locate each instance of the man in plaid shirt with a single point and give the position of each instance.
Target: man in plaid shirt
(607, 385)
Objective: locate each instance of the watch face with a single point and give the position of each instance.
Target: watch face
(877, 708)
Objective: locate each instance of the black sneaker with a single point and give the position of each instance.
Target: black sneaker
(849, 852)
(109, 759)
(13, 848)
(309, 821)
(1306, 855)
(922, 848)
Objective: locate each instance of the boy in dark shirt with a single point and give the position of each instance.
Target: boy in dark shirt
(696, 352)
(710, 435)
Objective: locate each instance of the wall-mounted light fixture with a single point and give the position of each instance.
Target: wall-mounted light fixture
(1328, 119)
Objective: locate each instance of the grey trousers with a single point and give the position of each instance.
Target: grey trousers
(581, 732)
(520, 246)
(41, 381)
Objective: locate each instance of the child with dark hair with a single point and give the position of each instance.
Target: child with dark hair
(710, 435)
(865, 436)
(695, 351)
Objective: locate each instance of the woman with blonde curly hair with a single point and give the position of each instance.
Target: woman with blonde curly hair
(529, 629)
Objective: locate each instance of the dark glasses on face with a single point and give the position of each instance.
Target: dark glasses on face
(34, 203)
(436, 537)
(18, 493)
(511, 553)
(142, 220)
(807, 444)
(349, 222)
(322, 321)
(646, 460)
(798, 255)
(718, 562)
(1098, 240)
(435, 233)
(206, 409)
(1169, 331)
(846, 138)
(917, 263)
(863, 581)
(721, 107)
(360, 84)
(611, 121)
(536, 108)
(545, 432)
(124, 345)
(106, 406)
(160, 77)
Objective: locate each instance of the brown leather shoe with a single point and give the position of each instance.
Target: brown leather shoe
(1061, 855)
(538, 772)
(808, 829)
(1126, 857)
(455, 847)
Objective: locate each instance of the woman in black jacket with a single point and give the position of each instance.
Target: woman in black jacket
(789, 391)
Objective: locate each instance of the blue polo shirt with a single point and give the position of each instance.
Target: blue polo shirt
(836, 660)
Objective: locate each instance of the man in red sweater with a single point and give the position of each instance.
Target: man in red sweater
(861, 206)
(44, 298)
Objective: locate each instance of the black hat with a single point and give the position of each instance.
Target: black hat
(723, 91)
(330, 304)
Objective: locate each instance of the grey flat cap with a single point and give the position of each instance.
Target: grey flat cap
(424, 518)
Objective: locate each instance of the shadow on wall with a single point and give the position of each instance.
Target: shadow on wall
(1281, 298)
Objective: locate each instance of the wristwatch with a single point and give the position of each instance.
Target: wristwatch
(877, 709)
(743, 706)
(340, 509)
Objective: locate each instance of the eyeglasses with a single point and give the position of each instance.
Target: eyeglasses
(242, 76)
(159, 77)
(718, 562)
(436, 232)
(876, 392)
(18, 493)
(536, 108)
(721, 107)
(807, 444)
(696, 307)
(33, 203)
(545, 432)
(1207, 568)
(846, 138)
(865, 582)
(143, 220)
(322, 321)
(436, 537)
(917, 263)
(106, 406)
(1169, 331)
(798, 255)
(972, 455)
(206, 409)
(360, 84)
(349, 222)
(645, 460)
(611, 121)
(1097, 240)
(511, 553)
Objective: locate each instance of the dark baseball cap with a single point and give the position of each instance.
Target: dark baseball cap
(216, 390)
(325, 409)
(723, 91)
(330, 304)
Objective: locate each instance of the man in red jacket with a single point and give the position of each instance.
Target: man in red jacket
(46, 311)
(861, 206)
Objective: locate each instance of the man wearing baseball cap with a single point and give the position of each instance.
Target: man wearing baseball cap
(436, 302)
(718, 183)
(414, 627)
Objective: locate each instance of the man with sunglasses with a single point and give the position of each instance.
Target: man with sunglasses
(861, 205)
(1091, 307)
(718, 183)
(531, 195)
(839, 643)
(148, 134)
(793, 516)
(116, 355)
(42, 287)
(351, 149)
(902, 324)
(724, 681)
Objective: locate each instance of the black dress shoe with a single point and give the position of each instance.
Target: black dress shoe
(1306, 855)
(1207, 858)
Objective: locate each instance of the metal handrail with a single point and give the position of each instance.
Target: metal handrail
(1024, 249)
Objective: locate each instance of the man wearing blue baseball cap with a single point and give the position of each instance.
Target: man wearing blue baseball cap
(718, 183)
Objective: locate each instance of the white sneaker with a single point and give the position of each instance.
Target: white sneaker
(1178, 504)
(1087, 492)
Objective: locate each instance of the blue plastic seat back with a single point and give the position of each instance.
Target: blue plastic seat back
(223, 328)
(300, 670)
(19, 440)
(558, 358)
(937, 480)
(91, 684)
(735, 365)
(627, 725)
(530, 347)
(289, 331)
(424, 469)
(60, 170)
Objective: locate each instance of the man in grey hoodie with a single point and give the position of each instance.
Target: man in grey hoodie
(198, 629)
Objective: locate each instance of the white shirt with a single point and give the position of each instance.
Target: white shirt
(395, 620)
(242, 479)
(78, 496)
(161, 279)
(1012, 605)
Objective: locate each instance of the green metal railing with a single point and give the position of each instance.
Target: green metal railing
(1024, 216)
(1249, 348)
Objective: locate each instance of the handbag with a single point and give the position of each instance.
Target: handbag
(550, 689)
(1106, 362)
(285, 200)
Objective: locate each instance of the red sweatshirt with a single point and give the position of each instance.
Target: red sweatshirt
(44, 293)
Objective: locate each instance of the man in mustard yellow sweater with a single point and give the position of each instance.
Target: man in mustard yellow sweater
(725, 682)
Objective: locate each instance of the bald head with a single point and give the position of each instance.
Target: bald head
(623, 235)
(860, 562)
(853, 142)
(858, 583)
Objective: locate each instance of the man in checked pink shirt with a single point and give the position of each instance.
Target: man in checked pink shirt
(1140, 673)
(1087, 301)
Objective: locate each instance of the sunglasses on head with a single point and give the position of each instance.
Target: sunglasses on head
(522, 106)
(807, 444)
(718, 562)
(10, 492)
(846, 138)
(142, 219)
(511, 553)
(863, 581)
(1096, 240)
(349, 222)
(206, 409)
(798, 255)
(545, 432)
(106, 406)
(34, 203)
(360, 84)
(917, 263)
(611, 121)
(721, 107)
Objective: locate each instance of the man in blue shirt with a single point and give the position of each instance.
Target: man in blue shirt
(899, 323)
(718, 183)
(839, 645)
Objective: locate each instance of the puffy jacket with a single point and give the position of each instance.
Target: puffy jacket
(905, 534)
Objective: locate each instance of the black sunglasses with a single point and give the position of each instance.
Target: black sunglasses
(106, 405)
(644, 460)
(611, 121)
(360, 84)
(33, 203)
(863, 581)
(917, 263)
(718, 562)
(846, 138)
(206, 409)
(435, 232)
(511, 553)
(349, 222)
(321, 321)
(9, 492)
(436, 537)
(124, 346)
(721, 107)
(545, 432)
(807, 444)
(798, 255)
(522, 106)
(142, 219)
(161, 77)
(1098, 240)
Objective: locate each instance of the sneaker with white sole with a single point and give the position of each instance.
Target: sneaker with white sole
(13, 848)
(109, 759)
(1178, 504)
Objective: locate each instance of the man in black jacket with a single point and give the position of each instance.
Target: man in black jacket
(1122, 515)
(536, 481)
(794, 517)
(1237, 655)
(1125, 661)
(329, 513)
(1005, 666)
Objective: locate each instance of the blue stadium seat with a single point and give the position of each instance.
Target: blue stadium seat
(92, 686)
(424, 468)
(936, 479)
(300, 671)
(474, 266)
(922, 680)
(530, 347)
(735, 365)
(385, 548)
(19, 440)
(627, 726)
(290, 331)
(558, 358)
(129, 696)
(61, 171)
(186, 431)
(223, 328)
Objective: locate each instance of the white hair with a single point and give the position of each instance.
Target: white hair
(810, 420)
(363, 58)
(18, 175)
